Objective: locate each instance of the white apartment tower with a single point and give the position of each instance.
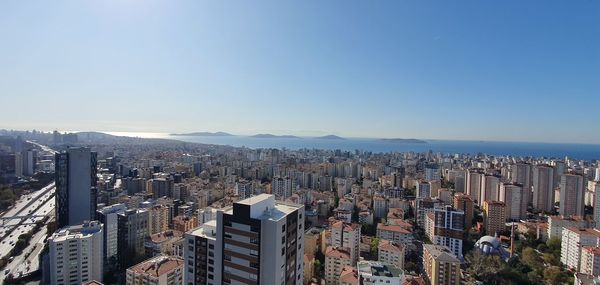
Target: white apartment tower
(76, 254)
(543, 188)
(261, 242)
(571, 195)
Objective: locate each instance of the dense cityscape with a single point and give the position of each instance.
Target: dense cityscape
(91, 208)
(338, 142)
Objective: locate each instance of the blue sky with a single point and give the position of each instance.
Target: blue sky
(484, 70)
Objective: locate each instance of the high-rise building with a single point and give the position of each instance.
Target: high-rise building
(133, 230)
(261, 242)
(159, 270)
(282, 187)
(346, 236)
(432, 172)
(108, 216)
(244, 189)
(76, 254)
(445, 226)
(521, 174)
(543, 188)
(474, 184)
(490, 188)
(494, 217)
(158, 218)
(423, 190)
(571, 195)
(441, 266)
(200, 253)
(464, 203)
(512, 194)
(75, 171)
(573, 239)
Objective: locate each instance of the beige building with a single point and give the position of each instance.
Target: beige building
(465, 203)
(590, 260)
(184, 223)
(346, 236)
(494, 217)
(158, 219)
(441, 266)
(391, 253)
(312, 240)
(309, 268)
(335, 261)
(159, 270)
(169, 242)
(349, 276)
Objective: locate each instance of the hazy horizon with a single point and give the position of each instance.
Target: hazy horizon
(503, 71)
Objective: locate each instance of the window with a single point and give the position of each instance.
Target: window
(283, 229)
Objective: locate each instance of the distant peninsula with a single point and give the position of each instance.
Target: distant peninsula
(271, 136)
(205, 134)
(330, 137)
(403, 140)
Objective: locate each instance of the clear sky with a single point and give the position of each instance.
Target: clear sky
(484, 70)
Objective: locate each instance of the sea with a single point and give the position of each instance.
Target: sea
(519, 149)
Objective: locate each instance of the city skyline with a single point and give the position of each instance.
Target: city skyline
(470, 71)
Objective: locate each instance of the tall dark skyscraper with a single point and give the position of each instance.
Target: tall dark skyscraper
(76, 192)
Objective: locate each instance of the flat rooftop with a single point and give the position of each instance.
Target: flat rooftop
(379, 269)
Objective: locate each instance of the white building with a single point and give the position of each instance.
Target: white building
(445, 226)
(573, 240)
(108, 216)
(259, 238)
(76, 254)
(543, 188)
(379, 207)
(557, 223)
(474, 185)
(571, 195)
(511, 195)
(199, 253)
(373, 273)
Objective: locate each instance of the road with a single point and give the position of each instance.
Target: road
(28, 260)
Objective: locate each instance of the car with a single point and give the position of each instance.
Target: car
(6, 271)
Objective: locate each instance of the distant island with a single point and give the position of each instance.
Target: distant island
(205, 134)
(403, 140)
(330, 137)
(271, 136)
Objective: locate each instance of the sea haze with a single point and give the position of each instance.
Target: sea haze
(557, 150)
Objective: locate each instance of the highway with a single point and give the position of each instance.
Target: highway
(21, 219)
(27, 261)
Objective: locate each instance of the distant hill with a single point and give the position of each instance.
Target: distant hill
(271, 136)
(403, 140)
(330, 137)
(205, 134)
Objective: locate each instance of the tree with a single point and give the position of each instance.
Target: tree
(551, 259)
(317, 265)
(553, 275)
(374, 246)
(531, 258)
